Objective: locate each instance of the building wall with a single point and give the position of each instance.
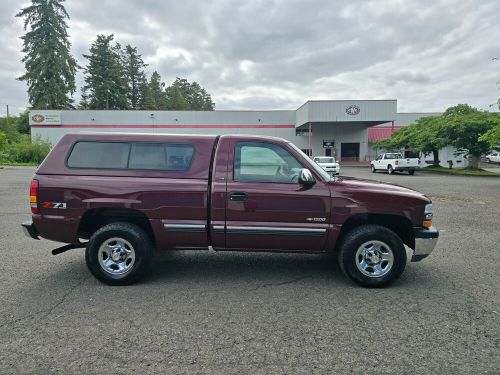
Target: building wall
(329, 119)
(336, 110)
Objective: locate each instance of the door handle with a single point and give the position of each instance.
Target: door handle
(238, 196)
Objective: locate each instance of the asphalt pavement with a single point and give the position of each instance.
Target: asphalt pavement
(229, 313)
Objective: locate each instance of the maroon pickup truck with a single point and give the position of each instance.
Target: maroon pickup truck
(121, 196)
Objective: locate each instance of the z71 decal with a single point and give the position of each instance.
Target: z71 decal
(54, 205)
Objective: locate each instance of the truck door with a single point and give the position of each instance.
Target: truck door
(265, 206)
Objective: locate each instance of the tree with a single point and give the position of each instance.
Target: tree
(153, 94)
(465, 126)
(401, 138)
(50, 68)
(134, 71)
(422, 136)
(176, 101)
(492, 136)
(459, 110)
(428, 137)
(84, 100)
(196, 97)
(105, 80)
(23, 123)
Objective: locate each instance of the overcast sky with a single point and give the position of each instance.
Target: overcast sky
(278, 54)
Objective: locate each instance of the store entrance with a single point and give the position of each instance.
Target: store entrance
(349, 151)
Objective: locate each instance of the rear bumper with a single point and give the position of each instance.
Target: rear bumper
(425, 242)
(30, 230)
(404, 168)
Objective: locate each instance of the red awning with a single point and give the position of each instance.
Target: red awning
(376, 133)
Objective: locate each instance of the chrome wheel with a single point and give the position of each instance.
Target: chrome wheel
(116, 256)
(374, 258)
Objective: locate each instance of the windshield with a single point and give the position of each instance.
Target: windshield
(326, 159)
(312, 164)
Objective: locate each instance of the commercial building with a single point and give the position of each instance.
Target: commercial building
(341, 128)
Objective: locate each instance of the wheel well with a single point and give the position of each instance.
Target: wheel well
(96, 218)
(398, 224)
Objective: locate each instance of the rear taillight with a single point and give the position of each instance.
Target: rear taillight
(34, 196)
(396, 162)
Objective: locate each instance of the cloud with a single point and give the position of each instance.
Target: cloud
(278, 54)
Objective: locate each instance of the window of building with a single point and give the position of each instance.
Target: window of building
(264, 162)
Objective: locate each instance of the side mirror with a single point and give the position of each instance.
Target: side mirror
(306, 178)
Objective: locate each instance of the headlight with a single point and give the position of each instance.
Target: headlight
(427, 216)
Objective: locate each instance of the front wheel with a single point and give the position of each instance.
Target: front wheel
(373, 169)
(119, 253)
(372, 256)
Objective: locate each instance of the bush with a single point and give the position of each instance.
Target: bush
(29, 151)
(4, 148)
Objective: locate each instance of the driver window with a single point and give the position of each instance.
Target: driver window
(264, 162)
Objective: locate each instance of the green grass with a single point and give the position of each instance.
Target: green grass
(461, 171)
(16, 164)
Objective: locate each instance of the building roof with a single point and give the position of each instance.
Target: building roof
(376, 133)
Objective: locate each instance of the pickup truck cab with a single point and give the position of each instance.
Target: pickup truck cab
(123, 196)
(328, 163)
(395, 162)
(494, 157)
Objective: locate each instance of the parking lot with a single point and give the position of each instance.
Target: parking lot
(258, 313)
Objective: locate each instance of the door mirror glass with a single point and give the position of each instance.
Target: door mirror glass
(306, 178)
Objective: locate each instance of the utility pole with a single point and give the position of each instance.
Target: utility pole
(7, 107)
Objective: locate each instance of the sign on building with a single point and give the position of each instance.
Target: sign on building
(328, 143)
(45, 118)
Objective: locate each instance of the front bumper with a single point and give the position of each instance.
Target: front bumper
(425, 242)
(332, 170)
(30, 230)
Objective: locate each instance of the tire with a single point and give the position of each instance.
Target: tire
(373, 169)
(363, 247)
(119, 253)
(390, 170)
(411, 172)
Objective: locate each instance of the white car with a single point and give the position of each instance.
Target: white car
(328, 163)
(494, 157)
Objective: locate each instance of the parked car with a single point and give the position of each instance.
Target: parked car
(494, 157)
(122, 196)
(395, 162)
(328, 163)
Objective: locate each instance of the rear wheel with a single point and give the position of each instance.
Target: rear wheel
(390, 170)
(411, 172)
(373, 169)
(119, 253)
(372, 256)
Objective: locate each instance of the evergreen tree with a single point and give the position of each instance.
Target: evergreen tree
(194, 95)
(84, 101)
(105, 80)
(134, 70)
(154, 96)
(50, 68)
(176, 101)
(146, 99)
